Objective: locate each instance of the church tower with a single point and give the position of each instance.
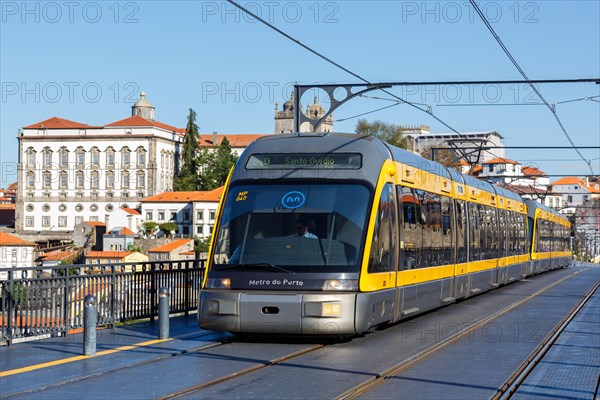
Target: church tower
(143, 108)
(284, 120)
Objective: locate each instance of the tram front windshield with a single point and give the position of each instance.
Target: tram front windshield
(304, 227)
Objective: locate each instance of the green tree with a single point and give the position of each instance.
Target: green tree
(215, 165)
(444, 156)
(168, 227)
(390, 133)
(149, 227)
(187, 180)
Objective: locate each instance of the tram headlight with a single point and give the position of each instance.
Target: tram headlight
(218, 283)
(341, 284)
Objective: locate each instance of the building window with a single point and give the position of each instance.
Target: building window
(62, 222)
(161, 215)
(148, 215)
(94, 208)
(63, 180)
(95, 183)
(79, 180)
(46, 221)
(125, 180)
(78, 220)
(173, 216)
(30, 180)
(95, 155)
(29, 207)
(125, 157)
(141, 180)
(585, 198)
(79, 208)
(30, 157)
(80, 157)
(569, 199)
(186, 216)
(213, 214)
(62, 208)
(141, 156)
(46, 207)
(110, 180)
(110, 157)
(200, 230)
(94, 218)
(200, 215)
(109, 207)
(47, 180)
(64, 157)
(47, 159)
(29, 222)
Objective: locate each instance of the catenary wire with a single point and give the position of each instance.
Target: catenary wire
(273, 27)
(524, 75)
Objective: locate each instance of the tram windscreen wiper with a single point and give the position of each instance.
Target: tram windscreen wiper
(261, 266)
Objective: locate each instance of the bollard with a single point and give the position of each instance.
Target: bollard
(163, 313)
(90, 320)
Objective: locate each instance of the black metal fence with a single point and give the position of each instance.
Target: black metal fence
(48, 301)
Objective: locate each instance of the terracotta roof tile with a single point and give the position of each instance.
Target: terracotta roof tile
(59, 255)
(235, 140)
(185, 197)
(573, 180)
(532, 171)
(188, 253)
(10, 240)
(108, 254)
(169, 247)
(501, 160)
(130, 211)
(94, 223)
(57, 123)
(122, 231)
(136, 120)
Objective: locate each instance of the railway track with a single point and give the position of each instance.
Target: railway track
(380, 377)
(222, 382)
(515, 379)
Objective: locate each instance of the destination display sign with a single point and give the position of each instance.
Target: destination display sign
(305, 161)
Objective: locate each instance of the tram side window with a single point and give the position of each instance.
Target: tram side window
(484, 232)
(514, 229)
(502, 232)
(523, 232)
(461, 223)
(383, 246)
(474, 226)
(447, 256)
(411, 227)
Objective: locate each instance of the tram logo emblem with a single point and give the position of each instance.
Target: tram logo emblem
(293, 199)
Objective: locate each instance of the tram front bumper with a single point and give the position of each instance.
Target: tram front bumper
(278, 313)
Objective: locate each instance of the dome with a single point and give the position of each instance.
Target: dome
(315, 110)
(289, 105)
(142, 102)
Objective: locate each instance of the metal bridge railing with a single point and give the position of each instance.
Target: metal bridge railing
(48, 301)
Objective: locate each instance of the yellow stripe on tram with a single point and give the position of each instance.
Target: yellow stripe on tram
(78, 358)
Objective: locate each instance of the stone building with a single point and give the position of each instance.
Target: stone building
(284, 119)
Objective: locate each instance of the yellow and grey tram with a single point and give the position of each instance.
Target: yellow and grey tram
(329, 233)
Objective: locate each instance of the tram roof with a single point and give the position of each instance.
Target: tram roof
(532, 205)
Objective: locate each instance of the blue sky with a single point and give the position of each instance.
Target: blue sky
(87, 61)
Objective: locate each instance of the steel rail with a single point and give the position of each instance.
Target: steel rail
(407, 363)
(518, 377)
(237, 374)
